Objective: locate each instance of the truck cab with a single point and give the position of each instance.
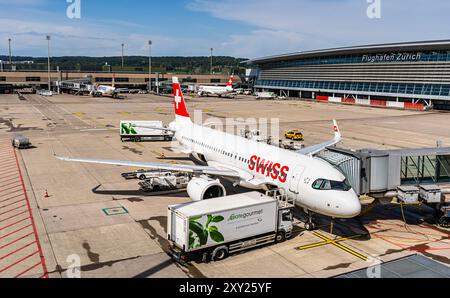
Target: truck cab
(285, 225)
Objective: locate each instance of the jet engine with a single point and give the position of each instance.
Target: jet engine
(204, 188)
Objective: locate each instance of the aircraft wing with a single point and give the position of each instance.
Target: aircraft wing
(320, 147)
(159, 166)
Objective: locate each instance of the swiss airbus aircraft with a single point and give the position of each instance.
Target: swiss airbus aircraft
(217, 90)
(313, 184)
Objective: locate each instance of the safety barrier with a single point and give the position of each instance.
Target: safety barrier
(322, 98)
(373, 102)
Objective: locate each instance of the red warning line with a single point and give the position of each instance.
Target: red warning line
(38, 243)
(9, 180)
(16, 231)
(15, 215)
(9, 183)
(10, 204)
(15, 209)
(12, 198)
(17, 250)
(26, 271)
(19, 261)
(15, 223)
(11, 193)
(6, 163)
(8, 176)
(8, 168)
(15, 241)
(15, 186)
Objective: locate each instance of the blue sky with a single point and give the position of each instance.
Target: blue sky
(241, 28)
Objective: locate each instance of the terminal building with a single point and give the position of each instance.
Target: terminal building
(13, 80)
(405, 75)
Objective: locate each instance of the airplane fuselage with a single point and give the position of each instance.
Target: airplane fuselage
(215, 90)
(261, 165)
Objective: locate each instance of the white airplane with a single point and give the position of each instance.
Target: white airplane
(217, 90)
(312, 183)
(108, 91)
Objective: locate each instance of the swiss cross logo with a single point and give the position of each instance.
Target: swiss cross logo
(180, 107)
(178, 99)
(336, 129)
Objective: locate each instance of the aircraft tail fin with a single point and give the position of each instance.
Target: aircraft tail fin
(230, 82)
(179, 103)
(337, 131)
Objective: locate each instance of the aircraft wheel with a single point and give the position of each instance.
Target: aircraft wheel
(310, 226)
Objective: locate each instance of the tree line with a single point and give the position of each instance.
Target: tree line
(192, 65)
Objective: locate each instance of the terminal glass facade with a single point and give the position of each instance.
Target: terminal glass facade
(429, 56)
(393, 88)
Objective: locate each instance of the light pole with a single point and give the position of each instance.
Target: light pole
(48, 66)
(150, 65)
(212, 49)
(123, 45)
(10, 54)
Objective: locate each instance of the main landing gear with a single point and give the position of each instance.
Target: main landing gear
(310, 225)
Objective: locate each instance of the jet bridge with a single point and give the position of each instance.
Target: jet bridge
(375, 172)
(410, 175)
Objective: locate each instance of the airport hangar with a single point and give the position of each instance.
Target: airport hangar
(400, 75)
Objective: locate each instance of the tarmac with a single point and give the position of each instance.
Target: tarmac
(93, 219)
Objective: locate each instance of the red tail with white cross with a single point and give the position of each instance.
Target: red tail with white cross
(230, 81)
(178, 100)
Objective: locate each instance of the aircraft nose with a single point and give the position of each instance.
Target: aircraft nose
(353, 206)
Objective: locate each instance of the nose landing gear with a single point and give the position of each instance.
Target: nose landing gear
(310, 225)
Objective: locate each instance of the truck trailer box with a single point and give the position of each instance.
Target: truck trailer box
(134, 130)
(200, 225)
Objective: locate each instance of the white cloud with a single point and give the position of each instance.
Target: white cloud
(268, 27)
(88, 38)
(310, 24)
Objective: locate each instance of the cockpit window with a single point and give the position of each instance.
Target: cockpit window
(324, 184)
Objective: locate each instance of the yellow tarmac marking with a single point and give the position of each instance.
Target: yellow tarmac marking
(79, 114)
(124, 113)
(336, 243)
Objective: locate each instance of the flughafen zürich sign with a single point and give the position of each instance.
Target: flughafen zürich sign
(394, 57)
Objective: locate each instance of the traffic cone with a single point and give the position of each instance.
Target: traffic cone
(46, 194)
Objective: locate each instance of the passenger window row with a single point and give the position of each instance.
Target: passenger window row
(220, 151)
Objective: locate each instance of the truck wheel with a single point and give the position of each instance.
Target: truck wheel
(281, 237)
(220, 254)
(142, 177)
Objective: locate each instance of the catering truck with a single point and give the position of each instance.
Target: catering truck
(212, 229)
(139, 131)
